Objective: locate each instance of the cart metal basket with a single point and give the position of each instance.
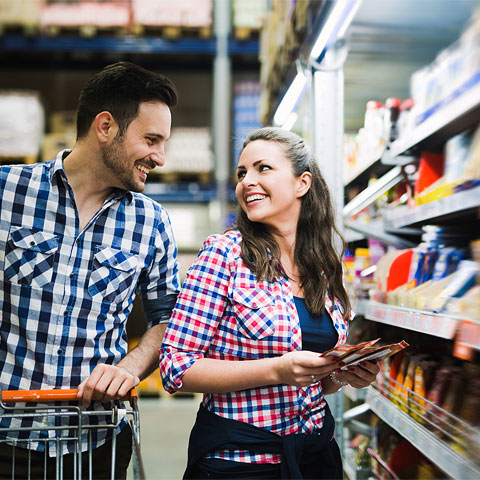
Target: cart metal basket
(17, 405)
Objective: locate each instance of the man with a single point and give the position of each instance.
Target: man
(77, 240)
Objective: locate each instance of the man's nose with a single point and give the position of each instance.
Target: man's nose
(158, 156)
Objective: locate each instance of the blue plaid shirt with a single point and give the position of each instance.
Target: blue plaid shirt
(65, 294)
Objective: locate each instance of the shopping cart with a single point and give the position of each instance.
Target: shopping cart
(73, 433)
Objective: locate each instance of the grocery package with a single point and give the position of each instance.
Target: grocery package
(364, 352)
(22, 123)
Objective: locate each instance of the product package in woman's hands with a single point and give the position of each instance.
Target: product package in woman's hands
(364, 352)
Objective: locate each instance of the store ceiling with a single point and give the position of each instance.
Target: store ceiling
(389, 40)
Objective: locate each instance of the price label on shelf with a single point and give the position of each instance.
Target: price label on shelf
(467, 341)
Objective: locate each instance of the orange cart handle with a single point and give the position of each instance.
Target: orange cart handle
(58, 395)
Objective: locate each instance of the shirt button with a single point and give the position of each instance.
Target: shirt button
(115, 262)
(32, 243)
(65, 313)
(72, 275)
(295, 331)
(59, 351)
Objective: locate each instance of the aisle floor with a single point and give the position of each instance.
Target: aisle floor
(165, 425)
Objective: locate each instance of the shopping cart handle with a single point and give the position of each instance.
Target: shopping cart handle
(57, 395)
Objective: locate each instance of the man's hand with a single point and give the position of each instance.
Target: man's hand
(106, 382)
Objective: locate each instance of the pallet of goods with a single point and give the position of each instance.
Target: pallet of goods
(85, 17)
(21, 126)
(188, 18)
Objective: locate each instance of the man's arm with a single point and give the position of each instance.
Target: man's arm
(108, 382)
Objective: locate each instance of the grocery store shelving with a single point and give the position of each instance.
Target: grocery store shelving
(451, 462)
(438, 325)
(462, 202)
(353, 471)
(459, 111)
(125, 44)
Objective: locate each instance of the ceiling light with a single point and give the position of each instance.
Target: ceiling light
(338, 20)
(290, 99)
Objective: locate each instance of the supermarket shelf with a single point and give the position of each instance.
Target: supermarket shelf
(451, 462)
(126, 44)
(374, 229)
(451, 116)
(353, 471)
(438, 325)
(444, 209)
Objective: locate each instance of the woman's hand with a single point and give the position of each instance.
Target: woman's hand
(359, 376)
(302, 368)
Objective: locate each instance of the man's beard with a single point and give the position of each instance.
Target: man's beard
(115, 159)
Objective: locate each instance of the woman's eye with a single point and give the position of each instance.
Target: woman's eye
(240, 174)
(264, 167)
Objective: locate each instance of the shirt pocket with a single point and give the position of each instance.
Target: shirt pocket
(255, 312)
(30, 256)
(112, 275)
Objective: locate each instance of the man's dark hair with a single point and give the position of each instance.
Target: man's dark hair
(120, 88)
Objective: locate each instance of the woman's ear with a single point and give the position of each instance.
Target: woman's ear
(105, 127)
(304, 181)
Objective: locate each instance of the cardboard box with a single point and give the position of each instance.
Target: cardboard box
(54, 142)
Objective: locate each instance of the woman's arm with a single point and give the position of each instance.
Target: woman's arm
(221, 376)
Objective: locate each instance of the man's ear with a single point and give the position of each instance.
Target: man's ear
(304, 183)
(105, 127)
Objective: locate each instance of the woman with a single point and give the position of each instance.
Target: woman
(257, 307)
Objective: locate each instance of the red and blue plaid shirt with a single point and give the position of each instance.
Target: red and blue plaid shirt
(224, 312)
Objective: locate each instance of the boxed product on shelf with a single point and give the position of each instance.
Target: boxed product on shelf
(454, 71)
(187, 13)
(22, 123)
(115, 13)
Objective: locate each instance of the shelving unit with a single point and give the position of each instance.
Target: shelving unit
(438, 325)
(458, 112)
(460, 205)
(452, 463)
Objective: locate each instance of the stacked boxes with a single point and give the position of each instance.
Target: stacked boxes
(22, 121)
(86, 13)
(187, 13)
(25, 13)
(188, 151)
(249, 13)
(63, 131)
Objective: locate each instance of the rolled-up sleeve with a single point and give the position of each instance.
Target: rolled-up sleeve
(197, 313)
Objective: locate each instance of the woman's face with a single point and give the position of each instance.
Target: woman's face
(267, 189)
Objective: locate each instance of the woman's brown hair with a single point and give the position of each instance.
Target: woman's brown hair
(318, 262)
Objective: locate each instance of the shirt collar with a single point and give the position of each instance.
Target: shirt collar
(57, 171)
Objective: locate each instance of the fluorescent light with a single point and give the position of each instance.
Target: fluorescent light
(336, 25)
(290, 122)
(290, 99)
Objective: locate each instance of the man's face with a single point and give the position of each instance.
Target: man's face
(132, 156)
